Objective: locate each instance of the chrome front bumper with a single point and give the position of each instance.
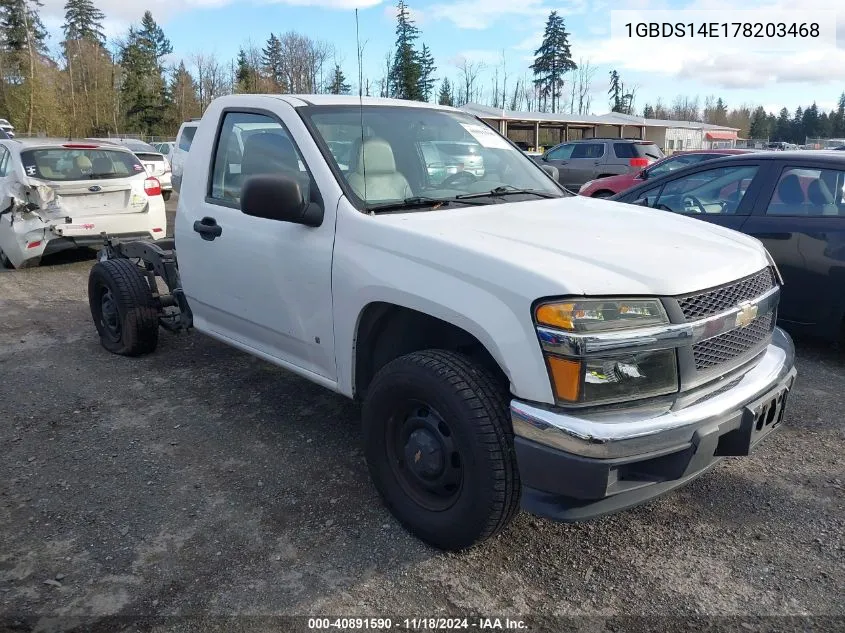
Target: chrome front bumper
(625, 432)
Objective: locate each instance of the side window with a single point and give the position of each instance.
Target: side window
(4, 161)
(250, 144)
(677, 162)
(187, 137)
(646, 198)
(719, 190)
(588, 150)
(680, 143)
(563, 152)
(670, 144)
(810, 192)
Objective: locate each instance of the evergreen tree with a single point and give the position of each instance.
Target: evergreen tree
(796, 129)
(143, 89)
(21, 26)
(406, 71)
(809, 124)
(615, 92)
(759, 127)
(783, 127)
(837, 119)
(553, 60)
(272, 57)
(338, 85)
(648, 112)
(445, 97)
(427, 70)
(720, 112)
(183, 93)
(83, 21)
(246, 75)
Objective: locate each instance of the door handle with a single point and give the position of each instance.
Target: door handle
(208, 228)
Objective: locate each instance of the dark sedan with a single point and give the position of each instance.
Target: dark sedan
(794, 202)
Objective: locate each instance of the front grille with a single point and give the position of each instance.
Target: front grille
(720, 349)
(710, 302)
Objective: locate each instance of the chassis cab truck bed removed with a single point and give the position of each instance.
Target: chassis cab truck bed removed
(511, 344)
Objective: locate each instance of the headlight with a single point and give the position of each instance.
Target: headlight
(613, 378)
(598, 315)
(603, 377)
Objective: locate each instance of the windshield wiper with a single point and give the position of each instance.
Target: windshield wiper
(505, 190)
(415, 202)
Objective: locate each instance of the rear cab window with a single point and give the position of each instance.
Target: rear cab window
(64, 164)
(187, 137)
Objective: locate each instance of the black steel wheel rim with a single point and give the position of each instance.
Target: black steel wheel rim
(424, 456)
(109, 315)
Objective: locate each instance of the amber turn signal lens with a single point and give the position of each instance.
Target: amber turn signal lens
(556, 315)
(566, 377)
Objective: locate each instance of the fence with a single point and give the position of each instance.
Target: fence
(823, 143)
(752, 143)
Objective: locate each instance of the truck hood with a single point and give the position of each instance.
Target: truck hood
(579, 246)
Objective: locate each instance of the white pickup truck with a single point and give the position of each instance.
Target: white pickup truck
(511, 344)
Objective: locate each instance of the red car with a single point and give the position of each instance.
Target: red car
(606, 187)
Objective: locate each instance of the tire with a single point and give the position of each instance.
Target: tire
(123, 308)
(166, 195)
(5, 262)
(407, 399)
(602, 194)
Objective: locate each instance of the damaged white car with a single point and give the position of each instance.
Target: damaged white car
(58, 195)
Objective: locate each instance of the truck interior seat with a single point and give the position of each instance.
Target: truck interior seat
(375, 173)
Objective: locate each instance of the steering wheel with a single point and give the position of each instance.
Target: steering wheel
(457, 178)
(690, 200)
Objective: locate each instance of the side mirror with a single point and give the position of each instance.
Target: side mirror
(278, 197)
(644, 174)
(551, 170)
(643, 202)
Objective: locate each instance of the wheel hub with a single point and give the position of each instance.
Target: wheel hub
(424, 454)
(111, 317)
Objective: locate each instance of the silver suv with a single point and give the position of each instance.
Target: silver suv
(591, 158)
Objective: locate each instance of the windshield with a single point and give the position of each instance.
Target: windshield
(79, 164)
(409, 152)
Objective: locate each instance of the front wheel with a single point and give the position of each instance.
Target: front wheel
(5, 262)
(123, 308)
(439, 447)
(166, 195)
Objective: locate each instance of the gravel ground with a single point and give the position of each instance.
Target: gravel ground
(201, 482)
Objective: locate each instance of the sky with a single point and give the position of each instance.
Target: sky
(490, 31)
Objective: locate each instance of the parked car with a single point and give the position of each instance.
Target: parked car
(509, 342)
(166, 148)
(587, 159)
(606, 187)
(7, 127)
(184, 138)
(4, 136)
(792, 202)
(56, 195)
(155, 163)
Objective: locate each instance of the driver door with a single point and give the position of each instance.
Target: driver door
(723, 195)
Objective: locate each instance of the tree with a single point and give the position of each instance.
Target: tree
(338, 85)
(759, 127)
(797, 128)
(83, 21)
(273, 63)
(648, 112)
(469, 71)
(837, 119)
(783, 127)
(246, 76)
(810, 124)
(445, 97)
(143, 88)
(615, 92)
(427, 70)
(23, 43)
(183, 92)
(552, 60)
(406, 72)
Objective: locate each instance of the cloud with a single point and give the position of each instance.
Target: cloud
(482, 14)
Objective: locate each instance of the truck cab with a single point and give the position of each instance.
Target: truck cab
(512, 345)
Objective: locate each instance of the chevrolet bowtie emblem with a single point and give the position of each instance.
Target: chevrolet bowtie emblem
(747, 313)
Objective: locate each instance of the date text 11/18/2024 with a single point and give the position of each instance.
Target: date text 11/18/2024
(417, 624)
